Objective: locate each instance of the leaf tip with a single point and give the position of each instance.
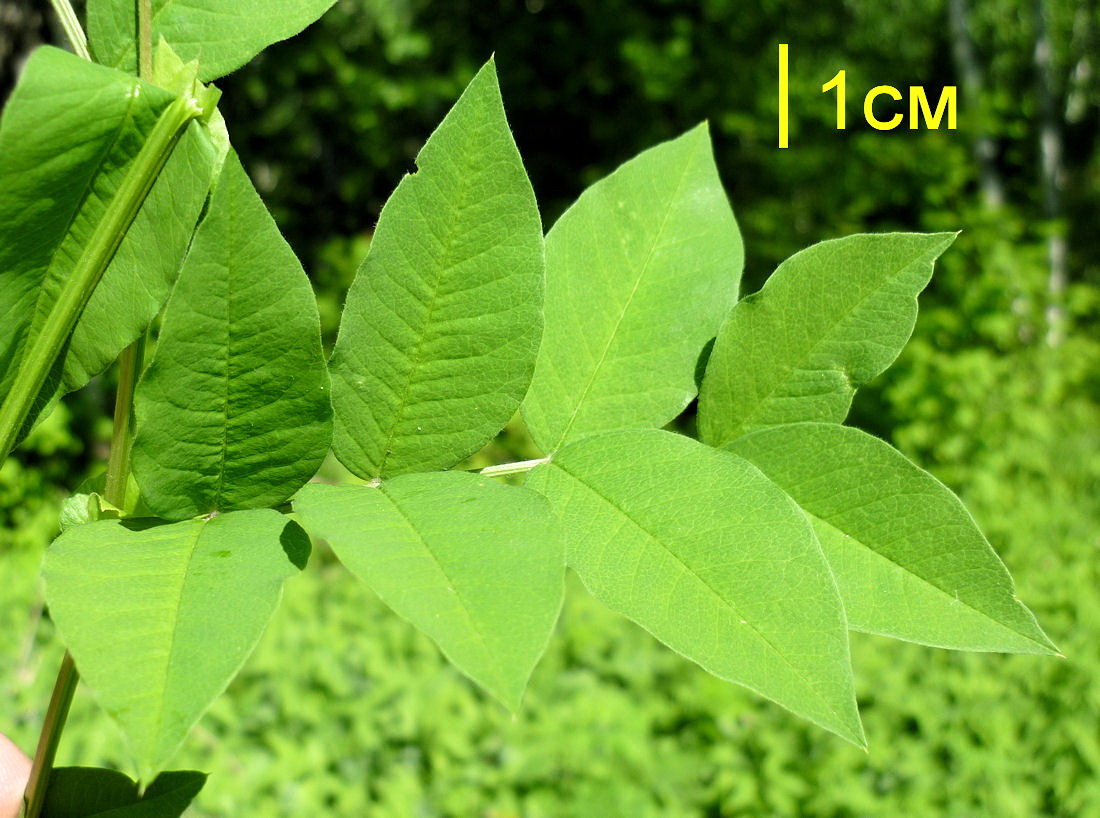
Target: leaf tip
(852, 729)
(946, 239)
(1051, 649)
(511, 699)
(699, 132)
(488, 71)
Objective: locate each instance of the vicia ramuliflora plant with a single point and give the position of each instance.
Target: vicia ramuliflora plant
(751, 551)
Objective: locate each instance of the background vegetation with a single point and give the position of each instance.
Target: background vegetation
(345, 709)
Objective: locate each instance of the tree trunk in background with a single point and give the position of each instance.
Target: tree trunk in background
(1083, 79)
(23, 25)
(971, 78)
(1052, 173)
(969, 71)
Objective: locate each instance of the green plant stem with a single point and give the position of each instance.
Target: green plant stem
(130, 197)
(89, 268)
(71, 24)
(118, 466)
(145, 39)
(118, 474)
(513, 468)
(131, 359)
(58, 710)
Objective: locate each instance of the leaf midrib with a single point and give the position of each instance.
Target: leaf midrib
(786, 369)
(445, 266)
(952, 597)
(752, 626)
(189, 557)
(471, 621)
(230, 249)
(630, 299)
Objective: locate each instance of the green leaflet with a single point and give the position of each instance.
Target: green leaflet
(441, 327)
(140, 276)
(233, 412)
(93, 792)
(703, 551)
(160, 618)
(69, 136)
(477, 565)
(144, 268)
(908, 558)
(830, 318)
(640, 273)
(221, 34)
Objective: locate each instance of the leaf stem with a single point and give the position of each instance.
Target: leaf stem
(58, 710)
(71, 24)
(89, 268)
(513, 468)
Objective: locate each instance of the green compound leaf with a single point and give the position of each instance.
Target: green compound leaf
(828, 319)
(159, 618)
(69, 135)
(476, 565)
(234, 410)
(908, 557)
(94, 792)
(442, 324)
(221, 34)
(703, 551)
(640, 273)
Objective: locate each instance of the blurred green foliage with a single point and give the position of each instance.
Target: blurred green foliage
(329, 121)
(345, 710)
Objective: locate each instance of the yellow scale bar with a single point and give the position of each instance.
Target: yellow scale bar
(782, 95)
